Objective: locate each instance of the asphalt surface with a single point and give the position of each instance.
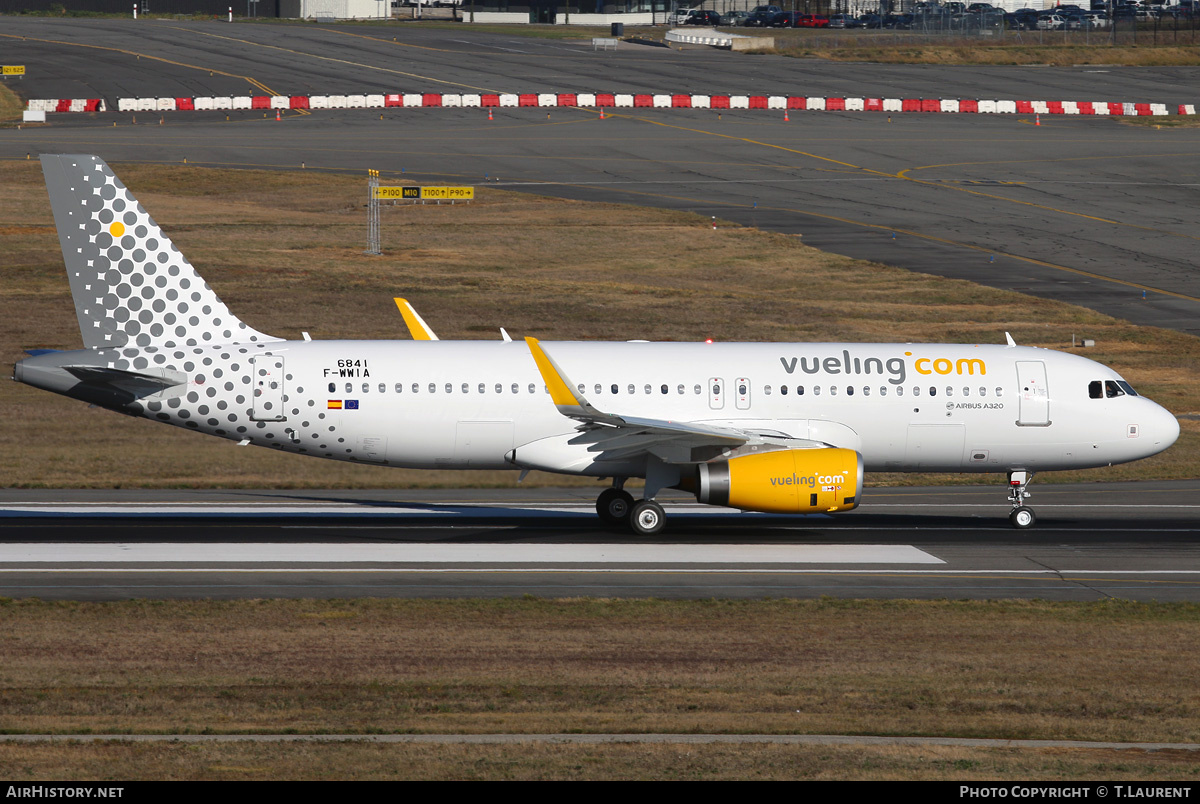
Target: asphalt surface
(1089, 211)
(1124, 540)
(1086, 210)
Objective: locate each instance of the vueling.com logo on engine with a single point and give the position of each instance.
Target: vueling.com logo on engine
(811, 481)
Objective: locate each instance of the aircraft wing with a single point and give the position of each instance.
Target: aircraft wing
(617, 437)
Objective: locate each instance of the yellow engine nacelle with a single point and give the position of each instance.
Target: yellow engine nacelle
(786, 481)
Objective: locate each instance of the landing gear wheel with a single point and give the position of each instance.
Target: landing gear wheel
(614, 505)
(647, 518)
(1022, 517)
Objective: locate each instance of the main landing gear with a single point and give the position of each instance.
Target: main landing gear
(617, 507)
(1022, 516)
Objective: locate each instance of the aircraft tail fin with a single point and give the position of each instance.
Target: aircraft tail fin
(131, 285)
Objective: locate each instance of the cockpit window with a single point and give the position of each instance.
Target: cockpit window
(1111, 389)
(1095, 389)
(1127, 388)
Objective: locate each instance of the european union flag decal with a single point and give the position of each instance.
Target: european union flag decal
(351, 404)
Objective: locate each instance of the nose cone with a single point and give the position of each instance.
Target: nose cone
(1160, 429)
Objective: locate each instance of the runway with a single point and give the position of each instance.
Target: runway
(1085, 210)
(1123, 540)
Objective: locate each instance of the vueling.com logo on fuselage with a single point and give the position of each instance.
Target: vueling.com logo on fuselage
(944, 365)
(894, 367)
(812, 481)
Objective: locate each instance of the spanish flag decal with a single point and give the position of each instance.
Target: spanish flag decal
(335, 404)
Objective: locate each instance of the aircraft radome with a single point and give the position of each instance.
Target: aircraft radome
(776, 427)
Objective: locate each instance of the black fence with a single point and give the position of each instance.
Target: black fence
(263, 8)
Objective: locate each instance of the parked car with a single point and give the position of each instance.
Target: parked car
(843, 21)
(703, 17)
(733, 19)
(871, 21)
(761, 16)
(680, 15)
(1051, 22)
(812, 21)
(785, 19)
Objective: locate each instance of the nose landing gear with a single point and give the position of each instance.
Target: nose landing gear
(1021, 516)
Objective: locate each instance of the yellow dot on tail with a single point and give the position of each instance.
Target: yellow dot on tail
(117, 229)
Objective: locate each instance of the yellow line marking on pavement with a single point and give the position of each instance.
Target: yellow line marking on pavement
(147, 56)
(337, 61)
(902, 176)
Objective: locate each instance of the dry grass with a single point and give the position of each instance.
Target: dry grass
(908, 52)
(284, 250)
(545, 761)
(11, 106)
(1112, 671)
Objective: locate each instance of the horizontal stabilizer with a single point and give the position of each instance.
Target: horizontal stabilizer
(138, 383)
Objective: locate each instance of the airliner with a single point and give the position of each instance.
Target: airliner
(768, 427)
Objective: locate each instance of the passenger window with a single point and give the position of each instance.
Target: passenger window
(680, 389)
(615, 388)
(597, 389)
(697, 390)
(399, 388)
(332, 388)
(366, 387)
(916, 390)
(433, 388)
(799, 390)
(1096, 389)
(782, 390)
(499, 388)
(949, 391)
(999, 391)
(932, 391)
(382, 388)
(899, 390)
(580, 388)
(632, 388)
(482, 388)
(449, 388)
(866, 390)
(767, 390)
(849, 390)
(466, 388)
(349, 388)
(966, 392)
(664, 388)
(532, 388)
(516, 388)
(816, 390)
(416, 388)
(833, 390)
(982, 391)
(647, 388)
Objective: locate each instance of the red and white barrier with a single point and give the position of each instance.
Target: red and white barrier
(620, 100)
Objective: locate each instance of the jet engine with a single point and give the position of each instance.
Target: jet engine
(786, 481)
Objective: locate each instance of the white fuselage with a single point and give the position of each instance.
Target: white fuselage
(469, 404)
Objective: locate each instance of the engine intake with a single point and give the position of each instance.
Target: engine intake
(788, 481)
